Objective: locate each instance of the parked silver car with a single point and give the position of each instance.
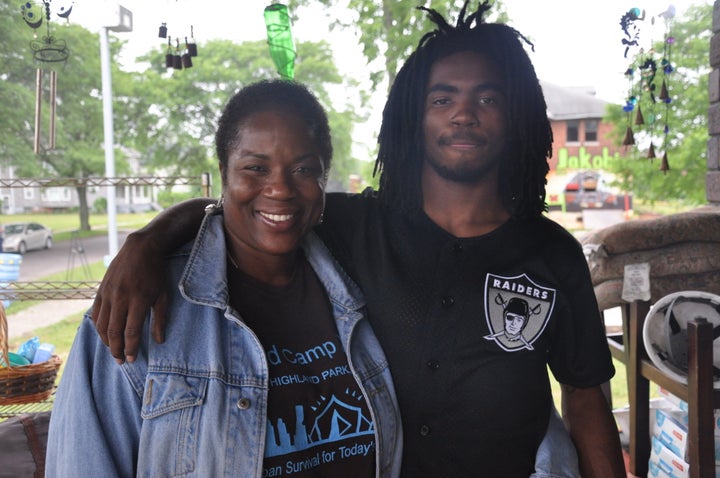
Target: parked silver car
(24, 236)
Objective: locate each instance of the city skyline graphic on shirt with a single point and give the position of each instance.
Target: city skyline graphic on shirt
(334, 420)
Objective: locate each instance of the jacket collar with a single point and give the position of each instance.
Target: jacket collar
(204, 279)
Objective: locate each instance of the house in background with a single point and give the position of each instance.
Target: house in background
(582, 151)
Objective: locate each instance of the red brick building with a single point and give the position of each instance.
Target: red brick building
(582, 149)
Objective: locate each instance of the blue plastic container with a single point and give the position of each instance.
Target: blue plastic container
(9, 270)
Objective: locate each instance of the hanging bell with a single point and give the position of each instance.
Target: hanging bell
(664, 165)
(191, 48)
(187, 60)
(639, 118)
(169, 55)
(162, 31)
(177, 59)
(664, 92)
(629, 138)
(651, 152)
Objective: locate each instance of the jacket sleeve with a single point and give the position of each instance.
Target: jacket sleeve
(95, 422)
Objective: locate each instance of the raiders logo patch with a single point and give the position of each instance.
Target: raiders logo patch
(517, 311)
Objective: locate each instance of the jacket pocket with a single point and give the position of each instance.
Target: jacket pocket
(171, 413)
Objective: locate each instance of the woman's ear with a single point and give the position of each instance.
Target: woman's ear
(223, 174)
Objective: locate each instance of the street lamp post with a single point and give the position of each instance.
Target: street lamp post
(119, 20)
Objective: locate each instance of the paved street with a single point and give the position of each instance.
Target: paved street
(65, 255)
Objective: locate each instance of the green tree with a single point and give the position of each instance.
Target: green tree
(686, 141)
(389, 30)
(170, 116)
(78, 152)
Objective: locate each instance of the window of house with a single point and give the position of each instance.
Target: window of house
(56, 194)
(591, 130)
(29, 193)
(573, 131)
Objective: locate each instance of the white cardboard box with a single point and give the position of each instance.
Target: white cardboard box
(683, 405)
(671, 429)
(665, 463)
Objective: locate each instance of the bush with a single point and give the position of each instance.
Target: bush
(100, 205)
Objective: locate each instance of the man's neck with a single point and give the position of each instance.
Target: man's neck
(463, 210)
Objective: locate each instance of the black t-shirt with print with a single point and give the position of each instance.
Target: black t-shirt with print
(469, 327)
(319, 424)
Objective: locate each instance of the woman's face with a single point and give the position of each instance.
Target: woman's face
(274, 186)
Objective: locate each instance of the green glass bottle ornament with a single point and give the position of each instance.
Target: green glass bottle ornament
(280, 41)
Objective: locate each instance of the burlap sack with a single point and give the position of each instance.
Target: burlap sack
(672, 260)
(698, 225)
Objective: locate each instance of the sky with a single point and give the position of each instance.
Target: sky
(577, 42)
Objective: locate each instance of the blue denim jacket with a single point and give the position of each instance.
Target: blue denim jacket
(196, 405)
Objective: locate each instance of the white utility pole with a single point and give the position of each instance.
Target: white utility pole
(118, 20)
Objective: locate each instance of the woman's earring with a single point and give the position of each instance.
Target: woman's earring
(217, 207)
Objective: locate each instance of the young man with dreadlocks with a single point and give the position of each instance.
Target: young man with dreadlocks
(444, 252)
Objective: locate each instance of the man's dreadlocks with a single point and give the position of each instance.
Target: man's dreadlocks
(401, 152)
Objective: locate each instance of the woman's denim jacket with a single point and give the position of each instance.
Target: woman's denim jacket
(196, 405)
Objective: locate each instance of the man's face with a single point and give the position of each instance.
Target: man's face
(464, 123)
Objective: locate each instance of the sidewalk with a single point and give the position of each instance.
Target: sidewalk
(43, 314)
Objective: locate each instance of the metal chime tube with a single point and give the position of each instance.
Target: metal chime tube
(38, 109)
(53, 90)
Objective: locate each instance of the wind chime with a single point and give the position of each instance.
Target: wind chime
(178, 56)
(642, 88)
(46, 51)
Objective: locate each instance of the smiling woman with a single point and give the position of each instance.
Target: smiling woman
(254, 281)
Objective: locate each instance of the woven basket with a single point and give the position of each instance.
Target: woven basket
(26, 383)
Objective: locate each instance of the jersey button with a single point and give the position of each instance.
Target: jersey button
(447, 302)
(457, 248)
(243, 404)
(433, 364)
(424, 430)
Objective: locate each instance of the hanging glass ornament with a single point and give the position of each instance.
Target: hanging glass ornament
(280, 40)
